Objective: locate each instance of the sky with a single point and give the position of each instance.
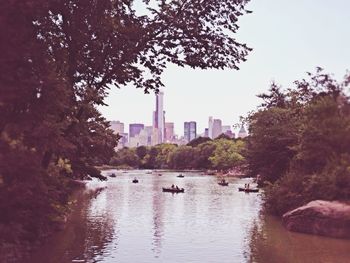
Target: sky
(289, 38)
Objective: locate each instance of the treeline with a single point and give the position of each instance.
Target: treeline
(299, 142)
(222, 153)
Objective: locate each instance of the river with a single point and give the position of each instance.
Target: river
(131, 223)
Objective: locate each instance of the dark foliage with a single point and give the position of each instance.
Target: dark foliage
(300, 142)
(197, 141)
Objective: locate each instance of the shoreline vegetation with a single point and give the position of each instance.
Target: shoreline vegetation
(222, 155)
(299, 143)
(232, 173)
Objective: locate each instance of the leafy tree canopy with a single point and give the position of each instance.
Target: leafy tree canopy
(300, 140)
(195, 142)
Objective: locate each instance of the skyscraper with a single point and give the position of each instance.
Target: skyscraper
(190, 130)
(169, 131)
(210, 128)
(158, 117)
(217, 128)
(149, 130)
(117, 126)
(135, 129)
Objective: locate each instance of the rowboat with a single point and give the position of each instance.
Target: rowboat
(223, 183)
(135, 181)
(248, 190)
(181, 176)
(173, 190)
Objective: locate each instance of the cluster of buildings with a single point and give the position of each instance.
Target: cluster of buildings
(163, 132)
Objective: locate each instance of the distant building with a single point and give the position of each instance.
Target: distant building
(169, 131)
(149, 131)
(190, 130)
(206, 132)
(135, 129)
(216, 128)
(123, 141)
(155, 138)
(159, 117)
(242, 132)
(210, 127)
(180, 141)
(226, 129)
(117, 127)
(134, 141)
(230, 134)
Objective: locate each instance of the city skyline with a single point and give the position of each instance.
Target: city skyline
(160, 125)
(283, 35)
(162, 130)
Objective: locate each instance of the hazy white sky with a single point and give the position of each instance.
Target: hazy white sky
(289, 37)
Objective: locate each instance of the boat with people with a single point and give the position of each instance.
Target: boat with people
(113, 175)
(223, 182)
(173, 189)
(135, 181)
(248, 190)
(180, 176)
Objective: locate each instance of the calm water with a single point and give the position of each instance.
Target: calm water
(129, 222)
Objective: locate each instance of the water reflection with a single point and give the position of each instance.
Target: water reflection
(270, 242)
(158, 217)
(208, 223)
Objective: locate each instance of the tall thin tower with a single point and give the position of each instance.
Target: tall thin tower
(158, 116)
(210, 127)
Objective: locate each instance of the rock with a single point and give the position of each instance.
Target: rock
(319, 217)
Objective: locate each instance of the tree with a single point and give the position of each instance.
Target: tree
(141, 151)
(302, 145)
(195, 142)
(182, 158)
(227, 154)
(269, 146)
(126, 157)
(150, 158)
(163, 154)
(202, 153)
(223, 136)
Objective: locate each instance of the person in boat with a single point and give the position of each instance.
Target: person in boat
(173, 186)
(177, 188)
